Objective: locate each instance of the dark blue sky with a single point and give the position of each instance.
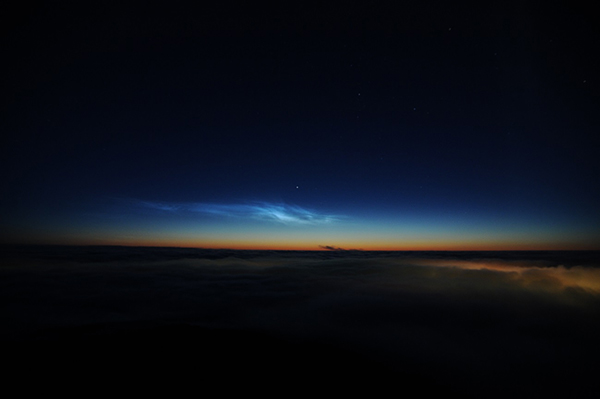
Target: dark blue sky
(429, 126)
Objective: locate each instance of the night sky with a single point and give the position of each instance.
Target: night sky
(296, 126)
(206, 171)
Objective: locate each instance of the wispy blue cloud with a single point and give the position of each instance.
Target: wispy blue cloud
(278, 212)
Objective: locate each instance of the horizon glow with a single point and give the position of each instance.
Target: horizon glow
(282, 226)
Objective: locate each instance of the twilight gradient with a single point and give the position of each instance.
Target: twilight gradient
(280, 225)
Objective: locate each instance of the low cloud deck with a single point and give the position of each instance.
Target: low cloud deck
(472, 323)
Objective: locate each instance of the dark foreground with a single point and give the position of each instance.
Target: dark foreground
(150, 320)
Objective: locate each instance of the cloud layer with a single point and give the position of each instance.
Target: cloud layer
(458, 318)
